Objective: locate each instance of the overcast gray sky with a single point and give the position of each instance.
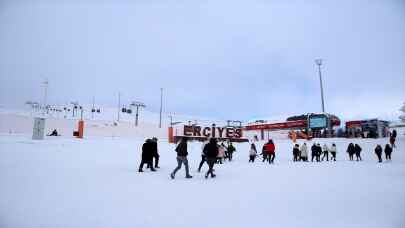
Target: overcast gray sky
(222, 59)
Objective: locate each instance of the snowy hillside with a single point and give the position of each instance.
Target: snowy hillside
(20, 121)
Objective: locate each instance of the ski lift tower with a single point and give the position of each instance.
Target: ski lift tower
(138, 105)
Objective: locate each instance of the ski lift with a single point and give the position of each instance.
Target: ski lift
(124, 110)
(93, 110)
(98, 111)
(129, 111)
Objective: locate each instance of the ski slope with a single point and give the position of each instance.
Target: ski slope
(65, 182)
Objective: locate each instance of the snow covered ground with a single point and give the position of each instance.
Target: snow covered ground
(65, 182)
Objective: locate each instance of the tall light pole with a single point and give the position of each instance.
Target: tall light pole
(319, 63)
(161, 104)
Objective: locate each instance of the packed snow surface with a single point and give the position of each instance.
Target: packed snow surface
(94, 182)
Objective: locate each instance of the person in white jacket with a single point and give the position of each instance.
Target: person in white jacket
(333, 151)
(252, 153)
(304, 152)
(325, 150)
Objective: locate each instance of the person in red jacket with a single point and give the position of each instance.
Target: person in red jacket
(271, 151)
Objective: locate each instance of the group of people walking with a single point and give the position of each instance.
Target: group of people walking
(387, 150)
(300, 153)
(354, 149)
(212, 152)
(150, 152)
(268, 152)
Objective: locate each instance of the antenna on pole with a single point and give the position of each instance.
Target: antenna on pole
(138, 105)
(46, 83)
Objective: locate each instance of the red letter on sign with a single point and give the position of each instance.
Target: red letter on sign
(197, 131)
(220, 131)
(238, 133)
(188, 130)
(206, 131)
(229, 132)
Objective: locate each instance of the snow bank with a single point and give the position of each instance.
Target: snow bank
(94, 183)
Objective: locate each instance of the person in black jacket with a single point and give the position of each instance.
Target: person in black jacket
(264, 153)
(350, 151)
(388, 151)
(155, 154)
(211, 150)
(147, 155)
(394, 133)
(230, 150)
(318, 152)
(296, 152)
(203, 155)
(378, 152)
(182, 153)
(314, 151)
(357, 151)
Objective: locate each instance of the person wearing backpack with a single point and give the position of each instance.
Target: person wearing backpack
(264, 153)
(211, 152)
(182, 153)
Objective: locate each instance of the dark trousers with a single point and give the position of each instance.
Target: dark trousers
(358, 157)
(388, 156)
(271, 157)
(148, 162)
(203, 159)
(295, 157)
(230, 156)
(156, 157)
(181, 160)
(252, 158)
(333, 155)
(211, 163)
(351, 157)
(304, 158)
(265, 157)
(325, 154)
(379, 157)
(316, 156)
